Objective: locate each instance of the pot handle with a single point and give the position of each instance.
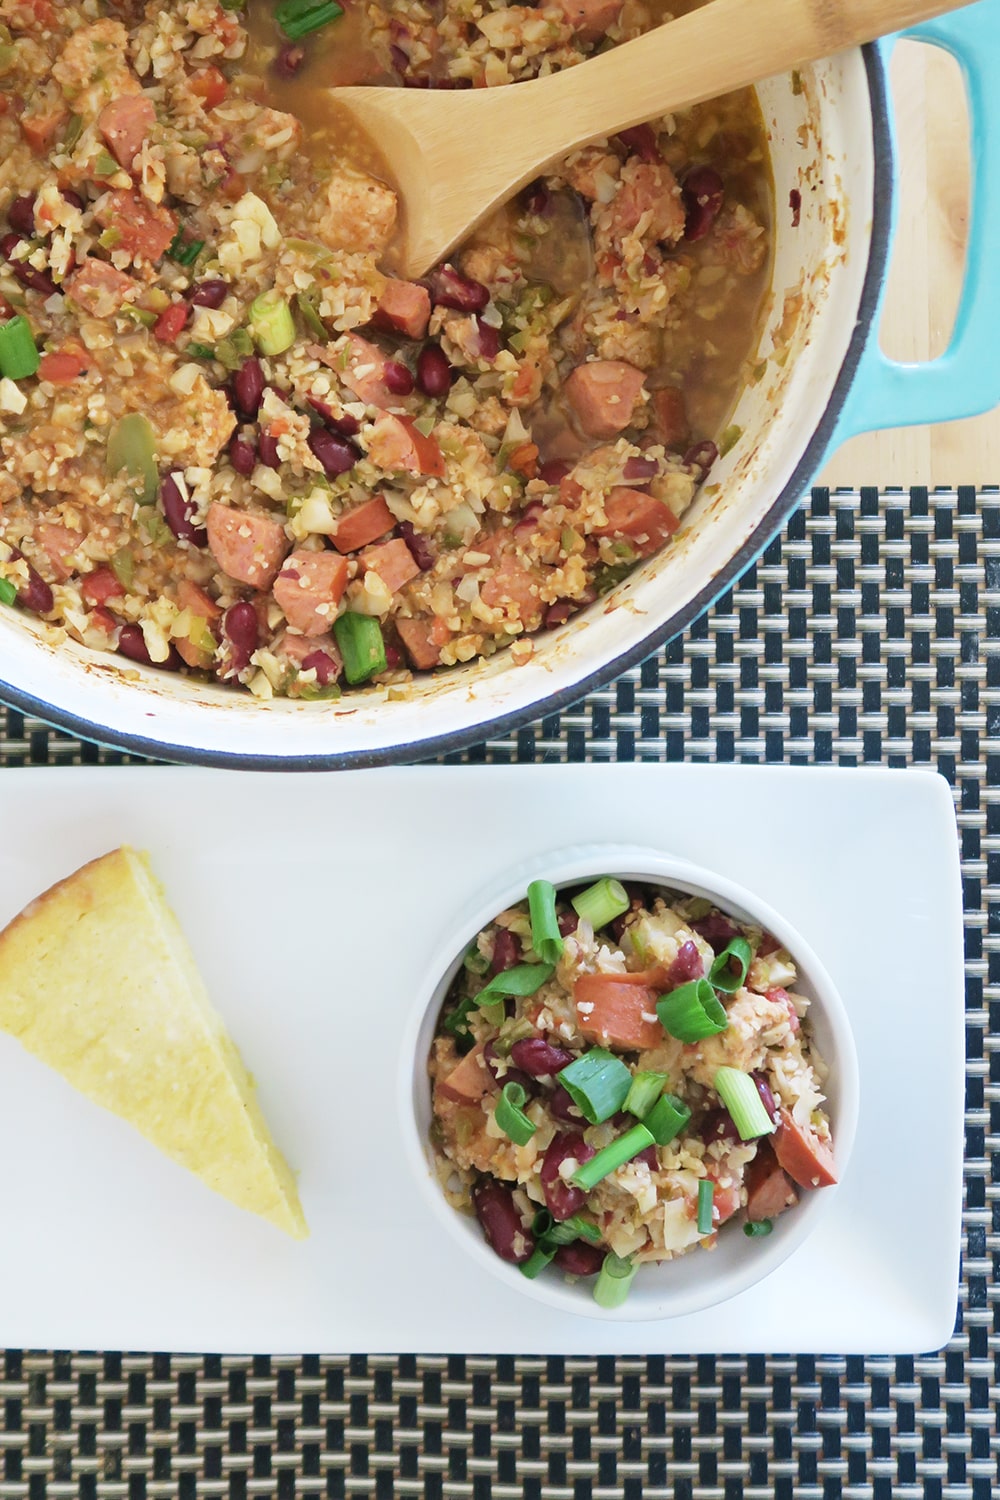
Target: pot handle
(965, 379)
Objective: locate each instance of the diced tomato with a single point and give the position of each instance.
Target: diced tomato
(63, 366)
(614, 1009)
(470, 1080)
(100, 586)
(807, 1160)
(209, 85)
(103, 619)
(143, 231)
(170, 324)
(363, 524)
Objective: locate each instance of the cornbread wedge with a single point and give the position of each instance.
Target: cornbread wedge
(97, 980)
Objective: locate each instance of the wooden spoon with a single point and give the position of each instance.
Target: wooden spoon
(454, 156)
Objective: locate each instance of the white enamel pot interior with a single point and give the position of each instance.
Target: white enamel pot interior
(698, 1279)
(829, 144)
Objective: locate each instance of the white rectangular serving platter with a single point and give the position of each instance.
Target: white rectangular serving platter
(314, 904)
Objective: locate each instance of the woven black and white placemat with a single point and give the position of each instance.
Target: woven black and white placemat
(870, 633)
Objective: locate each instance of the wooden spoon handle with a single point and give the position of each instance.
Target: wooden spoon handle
(723, 46)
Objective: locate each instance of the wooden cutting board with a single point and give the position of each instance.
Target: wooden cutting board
(924, 283)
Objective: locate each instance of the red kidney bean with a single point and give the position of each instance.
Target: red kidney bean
(323, 665)
(400, 61)
(421, 550)
(640, 141)
(497, 1213)
(538, 1058)
(209, 294)
(506, 951)
(132, 644)
(686, 966)
(487, 340)
(557, 614)
(267, 449)
(702, 191)
(716, 929)
(449, 288)
(568, 922)
(717, 1125)
(766, 1097)
(650, 1157)
(22, 214)
(563, 1198)
(580, 1258)
(562, 1108)
(397, 378)
(336, 454)
(248, 388)
(537, 198)
(640, 468)
(553, 471)
(512, 1075)
(345, 424)
(702, 456)
(242, 454)
(434, 373)
(289, 60)
(36, 281)
(73, 199)
(241, 630)
(178, 512)
(35, 594)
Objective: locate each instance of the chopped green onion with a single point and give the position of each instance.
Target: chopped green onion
(520, 981)
(297, 18)
(271, 323)
(612, 1286)
(738, 1093)
(123, 567)
(692, 1012)
(8, 593)
(542, 1224)
(610, 1158)
(573, 1228)
(509, 1114)
(721, 975)
(755, 1229)
(475, 960)
(598, 1084)
(706, 1192)
(18, 354)
(537, 1260)
(667, 1119)
(310, 316)
(184, 251)
(646, 1089)
(199, 351)
(361, 645)
(600, 903)
(74, 130)
(546, 938)
(132, 447)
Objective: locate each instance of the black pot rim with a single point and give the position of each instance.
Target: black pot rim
(460, 739)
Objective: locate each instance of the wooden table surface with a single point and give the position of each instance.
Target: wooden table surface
(924, 283)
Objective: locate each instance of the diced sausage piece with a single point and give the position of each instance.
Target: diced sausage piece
(299, 649)
(309, 588)
(249, 548)
(361, 213)
(603, 395)
(513, 584)
(637, 514)
(392, 561)
(614, 1010)
(144, 232)
(406, 307)
(100, 289)
(58, 543)
(394, 444)
(590, 18)
(364, 371)
(125, 124)
(807, 1160)
(363, 524)
(670, 423)
(100, 586)
(648, 191)
(190, 596)
(415, 635)
(470, 1080)
(769, 1191)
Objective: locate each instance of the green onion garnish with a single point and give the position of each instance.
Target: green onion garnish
(361, 645)
(738, 1093)
(598, 1084)
(546, 938)
(132, 447)
(667, 1119)
(542, 1224)
(475, 961)
(692, 1012)
(600, 903)
(297, 18)
(610, 1158)
(614, 1281)
(573, 1228)
(8, 593)
(199, 351)
(537, 1260)
(509, 1114)
(19, 357)
(520, 981)
(184, 251)
(721, 975)
(310, 316)
(755, 1229)
(271, 323)
(706, 1192)
(646, 1089)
